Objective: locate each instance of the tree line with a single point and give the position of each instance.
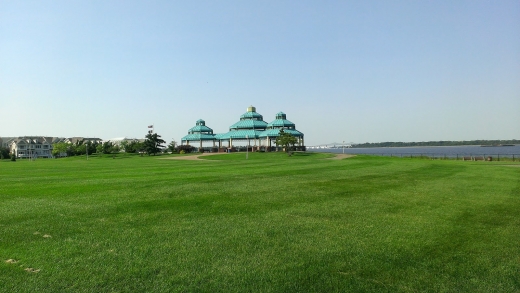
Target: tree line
(152, 145)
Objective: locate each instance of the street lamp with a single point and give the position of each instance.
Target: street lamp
(343, 146)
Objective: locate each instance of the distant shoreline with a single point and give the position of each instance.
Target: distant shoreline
(484, 143)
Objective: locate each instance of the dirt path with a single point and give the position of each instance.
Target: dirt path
(341, 156)
(194, 157)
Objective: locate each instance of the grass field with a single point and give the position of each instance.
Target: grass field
(272, 223)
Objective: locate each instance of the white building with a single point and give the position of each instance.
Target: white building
(79, 139)
(32, 146)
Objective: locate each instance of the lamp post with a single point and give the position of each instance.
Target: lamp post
(343, 146)
(247, 147)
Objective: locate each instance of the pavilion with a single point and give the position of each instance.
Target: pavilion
(251, 129)
(200, 132)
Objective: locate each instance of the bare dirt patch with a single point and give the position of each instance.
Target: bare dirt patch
(516, 166)
(195, 157)
(341, 156)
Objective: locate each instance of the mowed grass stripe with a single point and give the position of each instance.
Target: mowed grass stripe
(270, 224)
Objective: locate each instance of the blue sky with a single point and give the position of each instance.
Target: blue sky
(354, 71)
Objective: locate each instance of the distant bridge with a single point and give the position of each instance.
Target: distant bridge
(333, 145)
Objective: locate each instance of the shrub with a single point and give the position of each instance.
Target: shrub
(186, 148)
(182, 152)
(13, 158)
(4, 152)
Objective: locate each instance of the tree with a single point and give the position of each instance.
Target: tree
(107, 147)
(59, 148)
(91, 147)
(153, 143)
(71, 149)
(124, 146)
(99, 148)
(172, 146)
(286, 140)
(4, 153)
(81, 149)
(131, 146)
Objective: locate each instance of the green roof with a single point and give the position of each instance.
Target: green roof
(276, 132)
(251, 115)
(198, 136)
(281, 123)
(249, 124)
(240, 134)
(199, 132)
(200, 128)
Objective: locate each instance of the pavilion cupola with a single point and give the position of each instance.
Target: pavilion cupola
(281, 116)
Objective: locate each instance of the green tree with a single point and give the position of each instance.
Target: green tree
(59, 149)
(4, 153)
(286, 140)
(124, 146)
(99, 148)
(153, 143)
(172, 146)
(71, 149)
(81, 149)
(91, 147)
(108, 147)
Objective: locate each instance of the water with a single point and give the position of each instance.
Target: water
(436, 151)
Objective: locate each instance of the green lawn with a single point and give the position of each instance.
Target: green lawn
(272, 223)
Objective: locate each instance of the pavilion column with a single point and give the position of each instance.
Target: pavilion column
(230, 142)
(219, 143)
(213, 143)
(200, 143)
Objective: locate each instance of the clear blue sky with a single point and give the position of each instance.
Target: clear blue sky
(358, 71)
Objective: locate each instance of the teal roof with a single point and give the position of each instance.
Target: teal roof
(276, 132)
(240, 134)
(200, 128)
(281, 115)
(199, 132)
(281, 123)
(249, 124)
(198, 136)
(251, 115)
